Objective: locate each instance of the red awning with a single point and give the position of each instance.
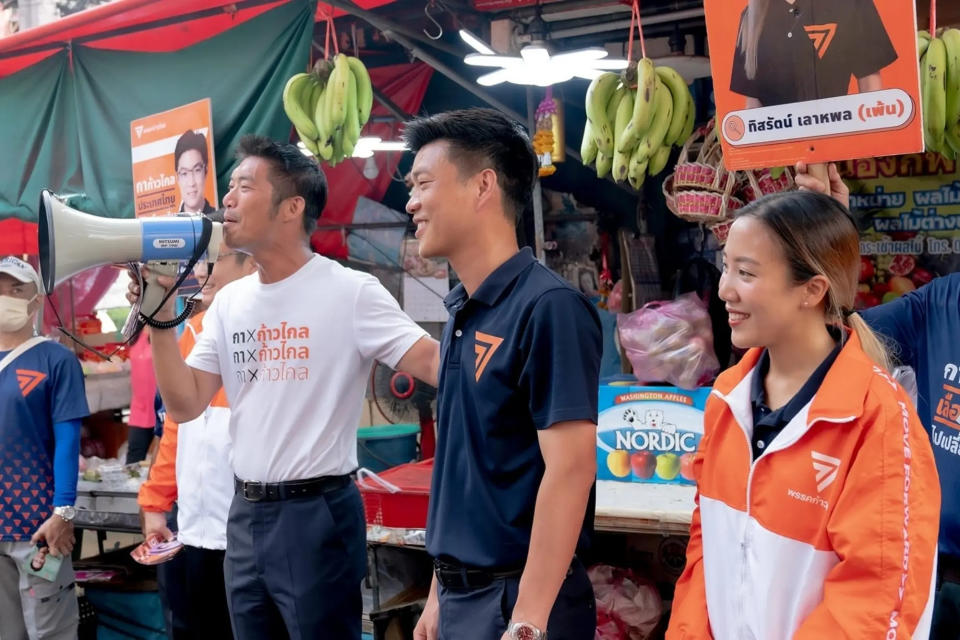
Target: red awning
(139, 25)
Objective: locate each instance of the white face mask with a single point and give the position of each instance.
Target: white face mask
(14, 313)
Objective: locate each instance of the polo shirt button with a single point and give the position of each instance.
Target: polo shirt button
(760, 444)
(458, 333)
(789, 34)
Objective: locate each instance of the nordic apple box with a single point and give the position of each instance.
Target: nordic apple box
(649, 434)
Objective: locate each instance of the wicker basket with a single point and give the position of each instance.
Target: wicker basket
(704, 206)
(721, 231)
(761, 183)
(705, 172)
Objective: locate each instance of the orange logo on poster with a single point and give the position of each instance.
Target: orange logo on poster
(28, 380)
(822, 36)
(485, 347)
(734, 128)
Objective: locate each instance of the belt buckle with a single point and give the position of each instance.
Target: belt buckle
(254, 491)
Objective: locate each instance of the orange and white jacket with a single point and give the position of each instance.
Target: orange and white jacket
(194, 456)
(831, 533)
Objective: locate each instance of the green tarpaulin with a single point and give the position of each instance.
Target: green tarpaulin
(65, 121)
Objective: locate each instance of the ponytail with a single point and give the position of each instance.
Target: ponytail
(870, 342)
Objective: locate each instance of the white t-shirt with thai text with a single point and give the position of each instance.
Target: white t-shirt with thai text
(295, 357)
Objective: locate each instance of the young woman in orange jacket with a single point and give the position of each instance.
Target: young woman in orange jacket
(818, 499)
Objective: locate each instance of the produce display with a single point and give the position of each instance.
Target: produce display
(329, 106)
(634, 119)
(940, 90)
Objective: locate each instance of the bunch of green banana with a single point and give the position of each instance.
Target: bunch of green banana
(633, 120)
(940, 90)
(329, 106)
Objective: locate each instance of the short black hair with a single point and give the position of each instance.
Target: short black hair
(292, 174)
(483, 139)
(217, 216)
(190, 140)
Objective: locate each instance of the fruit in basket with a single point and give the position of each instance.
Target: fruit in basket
(633, 119)
(618, 462)
(668, 466)
(643, 464)
(329, 106)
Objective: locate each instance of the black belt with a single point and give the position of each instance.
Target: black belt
(460, 577)
(270, 491)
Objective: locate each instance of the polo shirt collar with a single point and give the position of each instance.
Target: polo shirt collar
(758, 396)
(496, 284)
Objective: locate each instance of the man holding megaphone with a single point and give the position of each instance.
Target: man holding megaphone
(292, 346)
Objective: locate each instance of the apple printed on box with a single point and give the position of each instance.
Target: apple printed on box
(649, 434)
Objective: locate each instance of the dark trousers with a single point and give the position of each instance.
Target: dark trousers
(946, 608)
(193, 587)
(293, 567)
(483, 614)
(138, 443)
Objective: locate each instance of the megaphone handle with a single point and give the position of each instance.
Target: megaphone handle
(153, 293)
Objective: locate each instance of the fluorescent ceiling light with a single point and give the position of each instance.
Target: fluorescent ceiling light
(366, 146)
(476, 43)
(536, 66)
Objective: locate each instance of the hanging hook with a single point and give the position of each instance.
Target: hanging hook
(426, 12)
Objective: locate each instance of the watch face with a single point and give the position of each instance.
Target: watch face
(525, 632)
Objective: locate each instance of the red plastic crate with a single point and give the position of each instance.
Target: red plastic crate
(403, 509)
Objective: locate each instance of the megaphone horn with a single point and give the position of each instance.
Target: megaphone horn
(71, 241)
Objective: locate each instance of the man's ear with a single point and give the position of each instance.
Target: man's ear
(488, 186)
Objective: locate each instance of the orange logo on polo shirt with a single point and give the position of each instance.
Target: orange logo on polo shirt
(28, 380)
(485, 347)
(822, 36)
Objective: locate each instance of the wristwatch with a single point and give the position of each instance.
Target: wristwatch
(68, 513)
(525, 631)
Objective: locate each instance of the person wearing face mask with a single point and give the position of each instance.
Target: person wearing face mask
(42, 402)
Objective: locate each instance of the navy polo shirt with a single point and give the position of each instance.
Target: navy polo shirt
(768, 424)
(521, 354)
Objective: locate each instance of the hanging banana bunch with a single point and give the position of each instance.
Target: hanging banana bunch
(940, 90)
(329, 106)
(634, 119)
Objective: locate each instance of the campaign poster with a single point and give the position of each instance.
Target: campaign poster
(908, 210)
(814, 80)
(173, 161)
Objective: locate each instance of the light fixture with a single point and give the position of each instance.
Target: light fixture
(366, 146)
(370, 168)
(537, 66)
(476, 43)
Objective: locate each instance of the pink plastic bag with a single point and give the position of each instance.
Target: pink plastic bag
(670, 341)
(628, 607)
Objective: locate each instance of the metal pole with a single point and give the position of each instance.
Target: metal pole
(537, 194)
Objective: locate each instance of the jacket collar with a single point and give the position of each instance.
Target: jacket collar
(840, 398)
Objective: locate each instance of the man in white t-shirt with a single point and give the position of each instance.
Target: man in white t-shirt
(292, 346)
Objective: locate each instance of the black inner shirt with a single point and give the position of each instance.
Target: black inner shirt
(810, 50)
(767, 423)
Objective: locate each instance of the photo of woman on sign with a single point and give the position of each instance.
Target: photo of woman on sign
(798, 50)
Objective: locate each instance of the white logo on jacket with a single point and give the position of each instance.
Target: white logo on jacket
(826, 468)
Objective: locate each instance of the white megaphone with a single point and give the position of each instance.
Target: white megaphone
(72, 241)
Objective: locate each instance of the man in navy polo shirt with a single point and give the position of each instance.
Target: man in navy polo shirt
(512, 492)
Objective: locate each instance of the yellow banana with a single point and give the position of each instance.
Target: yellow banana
(598, 96)
(662, 115)
(321, 117)
(643, 106)
(690, 121)
(364, 89)
(922, 44)
(337, 91)
(588, 146)
(951, 137)
(308, 142)
(351, 126)
(659, 160)
(637, 169)
(934, 97)
(292, 103)
(951, 43)
(604, 164)
(620, 158)
(680, 94)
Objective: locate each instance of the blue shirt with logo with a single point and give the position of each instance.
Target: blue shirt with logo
(522, 354)
(40, 388)
(923, 329)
